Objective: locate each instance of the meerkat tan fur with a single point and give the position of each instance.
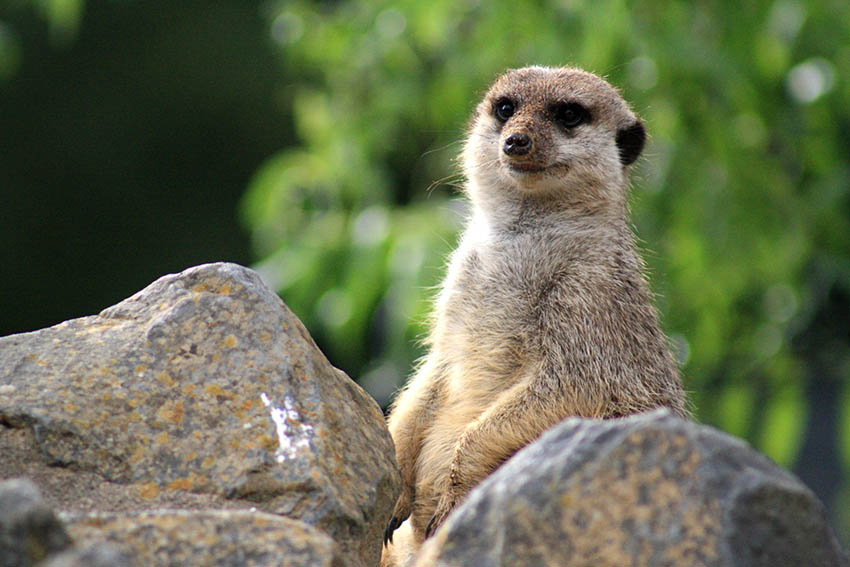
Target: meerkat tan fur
(544, 312)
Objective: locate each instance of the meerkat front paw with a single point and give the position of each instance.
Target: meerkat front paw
(454, 491)
(400, 513)
(444, 507)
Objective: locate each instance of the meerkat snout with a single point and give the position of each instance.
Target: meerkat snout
(517, 144)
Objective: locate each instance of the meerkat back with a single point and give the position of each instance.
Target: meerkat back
(544, 312)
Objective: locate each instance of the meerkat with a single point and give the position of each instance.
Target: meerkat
(544, 312)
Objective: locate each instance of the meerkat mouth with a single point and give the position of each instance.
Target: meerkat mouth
(526, 167)
(532, 168)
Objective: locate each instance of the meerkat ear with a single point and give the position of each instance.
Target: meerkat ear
(630, 142)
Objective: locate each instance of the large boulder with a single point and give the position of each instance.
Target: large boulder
(201, 391)
(649, 490)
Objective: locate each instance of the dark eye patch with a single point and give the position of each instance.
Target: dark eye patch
(503, 109)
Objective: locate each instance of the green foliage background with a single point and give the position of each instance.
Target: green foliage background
(742, 198)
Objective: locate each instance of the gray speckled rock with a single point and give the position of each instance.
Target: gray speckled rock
(29, 530)
(202, 389)
(93, 555)
(230, 538)
(649, 490)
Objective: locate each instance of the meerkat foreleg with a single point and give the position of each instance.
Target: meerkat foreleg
(409, 420)
(492, 438)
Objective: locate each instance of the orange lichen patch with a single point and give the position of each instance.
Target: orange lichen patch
(216, 357)
(187, 389)
(133, 402)
(209, 287)
(149, 490)
(161, 438)
(260, 521)
(191, 456)
(268, 442)
(208, 462)
(246, 405)
(71, 408)
(108, 375)
(98, 326)
(34, 358)
(197, 434)
(138, 455)
(100, 418)
(201, 287)
(265, 337)
(218, 391)
(165, 379)
(230, 341)
(181, 484)
(172, 412)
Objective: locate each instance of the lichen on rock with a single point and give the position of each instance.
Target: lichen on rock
(647, 490)
(201, 390)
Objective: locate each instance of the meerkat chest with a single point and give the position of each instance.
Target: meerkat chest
(491, 313)
(503, 285)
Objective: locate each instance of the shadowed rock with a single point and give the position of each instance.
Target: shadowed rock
(200, 538)
(97, 554)
(202, 390)
(649, 490)
(29, 530)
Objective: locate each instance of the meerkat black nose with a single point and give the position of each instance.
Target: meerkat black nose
(517, 144)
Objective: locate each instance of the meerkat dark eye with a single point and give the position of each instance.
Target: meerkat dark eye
(503, 109)
(570, 114)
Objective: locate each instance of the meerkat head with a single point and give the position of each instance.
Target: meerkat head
(558, 132)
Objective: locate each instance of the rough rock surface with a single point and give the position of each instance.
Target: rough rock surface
(95, 555)
(191, 538)
(202, 390)
(649, 490)
(29, 530)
